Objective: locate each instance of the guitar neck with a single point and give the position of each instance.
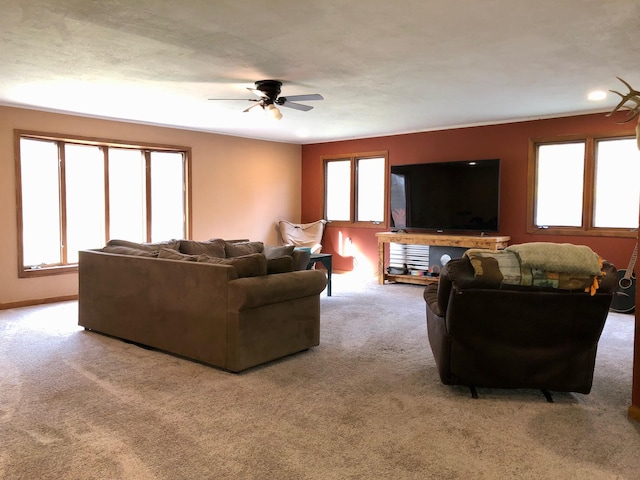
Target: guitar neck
(632, 263)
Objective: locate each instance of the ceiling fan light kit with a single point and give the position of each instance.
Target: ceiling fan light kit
(269, 93)
(273, 111)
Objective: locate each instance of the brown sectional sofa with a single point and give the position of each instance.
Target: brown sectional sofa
(227, 312)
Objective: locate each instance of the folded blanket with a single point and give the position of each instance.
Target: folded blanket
(573, 271)
(557, 257)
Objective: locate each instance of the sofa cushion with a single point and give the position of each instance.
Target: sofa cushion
(301, 258)
(238, 249)
(282, 264)
(253, 265)
(172, 254)
(212, 248)
(123, 250)
(271, 251)
(155, 246)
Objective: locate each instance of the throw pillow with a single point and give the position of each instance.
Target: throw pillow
(238, 249)
(279, 265)
(253, 265)
(271, 251)
(122, 250)
(171, 254)
(144, 246)
(213, 247)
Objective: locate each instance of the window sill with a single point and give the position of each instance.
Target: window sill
(47, 271)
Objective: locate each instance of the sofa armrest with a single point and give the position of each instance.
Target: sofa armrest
(251, 292)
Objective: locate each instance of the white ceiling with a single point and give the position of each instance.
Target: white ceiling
(384, 67)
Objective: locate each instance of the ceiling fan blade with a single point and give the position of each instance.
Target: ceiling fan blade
(257, 92)
(296, 106)
(297, 98)
(258, 102)
(234, 99)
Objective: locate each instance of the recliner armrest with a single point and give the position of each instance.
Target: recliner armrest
(609, 282)
(430, 295)
(459, 272)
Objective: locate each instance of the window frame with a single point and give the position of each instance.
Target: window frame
(353, 158)
(588, 194)
(63, 139)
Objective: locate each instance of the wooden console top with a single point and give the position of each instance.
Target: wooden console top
(444, 239)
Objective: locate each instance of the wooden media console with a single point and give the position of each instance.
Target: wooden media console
(436, 239)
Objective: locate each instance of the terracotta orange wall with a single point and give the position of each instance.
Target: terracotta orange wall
(509, 142)
(240, 188)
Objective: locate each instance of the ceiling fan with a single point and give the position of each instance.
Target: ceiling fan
(268, 92)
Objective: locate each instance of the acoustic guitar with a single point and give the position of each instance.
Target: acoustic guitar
(624, 298)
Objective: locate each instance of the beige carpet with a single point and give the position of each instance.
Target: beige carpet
(366, 404)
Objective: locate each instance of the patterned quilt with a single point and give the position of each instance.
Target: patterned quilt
(540, 264)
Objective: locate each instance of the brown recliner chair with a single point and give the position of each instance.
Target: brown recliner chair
(484, 334)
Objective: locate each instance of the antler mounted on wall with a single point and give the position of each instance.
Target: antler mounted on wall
(633, 96)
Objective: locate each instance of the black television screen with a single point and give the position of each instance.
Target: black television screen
(459, 196)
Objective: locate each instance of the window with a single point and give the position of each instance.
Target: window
(75, 194)
(355, 188)
(584, 186)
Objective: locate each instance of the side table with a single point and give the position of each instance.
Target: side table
(325, 259)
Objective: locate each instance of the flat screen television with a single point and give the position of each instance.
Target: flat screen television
(461, 196)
